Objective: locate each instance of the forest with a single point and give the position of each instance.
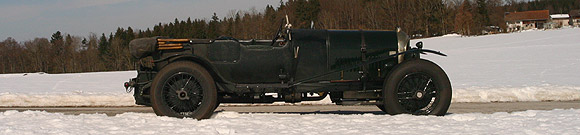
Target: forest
(65, 53)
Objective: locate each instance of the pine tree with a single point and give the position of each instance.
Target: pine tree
(306, 12)
(58, 52)
(104, 46)
(213, 28)
(482, 14)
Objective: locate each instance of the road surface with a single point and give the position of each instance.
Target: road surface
(320, 109)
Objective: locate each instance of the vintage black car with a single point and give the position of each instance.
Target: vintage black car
(191, 77)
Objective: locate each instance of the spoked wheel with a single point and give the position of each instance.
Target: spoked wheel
(418, 87)
(416, 94)
(184, 89)
(182, 93)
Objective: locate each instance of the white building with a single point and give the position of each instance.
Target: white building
(560, 20)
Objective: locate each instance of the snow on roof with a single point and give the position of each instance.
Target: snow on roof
(559, 16)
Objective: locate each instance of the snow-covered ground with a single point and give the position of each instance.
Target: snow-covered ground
(81, 89)
(527, 122)
(525, 66)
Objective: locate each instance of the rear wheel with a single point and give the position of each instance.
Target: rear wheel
(418, 87)
(184, 89)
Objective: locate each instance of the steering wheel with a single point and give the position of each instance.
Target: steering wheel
(278, 33)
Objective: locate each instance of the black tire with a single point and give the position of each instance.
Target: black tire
(382, 107)
(184, 89)
(418, 87)
(216, 105)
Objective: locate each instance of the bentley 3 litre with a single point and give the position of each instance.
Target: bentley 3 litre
(191, 77)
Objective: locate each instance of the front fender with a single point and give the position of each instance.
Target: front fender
(418, 51)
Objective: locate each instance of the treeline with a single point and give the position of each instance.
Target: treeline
(64, 53)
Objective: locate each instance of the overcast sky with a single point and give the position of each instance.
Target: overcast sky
(28, 19)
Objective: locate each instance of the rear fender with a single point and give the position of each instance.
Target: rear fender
(205, 63)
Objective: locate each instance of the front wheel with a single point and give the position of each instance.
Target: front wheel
(418, 87)
(184, 89)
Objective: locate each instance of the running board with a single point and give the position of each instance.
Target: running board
(374, 102)
(276, 85)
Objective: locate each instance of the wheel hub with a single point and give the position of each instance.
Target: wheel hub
(419, 94)
(182, 94)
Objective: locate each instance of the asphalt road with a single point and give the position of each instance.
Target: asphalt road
(319, 109)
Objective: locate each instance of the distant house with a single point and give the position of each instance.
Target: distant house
(574, 18)
(559, 20)
(516, 21)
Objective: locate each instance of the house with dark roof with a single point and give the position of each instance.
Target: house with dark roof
(516, 21)
(574, 18)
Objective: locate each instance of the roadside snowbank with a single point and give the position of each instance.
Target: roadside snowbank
(527, 122)
(66, 99)
(516, 94)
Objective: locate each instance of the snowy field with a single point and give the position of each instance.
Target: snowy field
(82, 89)
(525, 66)
(558, 122)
